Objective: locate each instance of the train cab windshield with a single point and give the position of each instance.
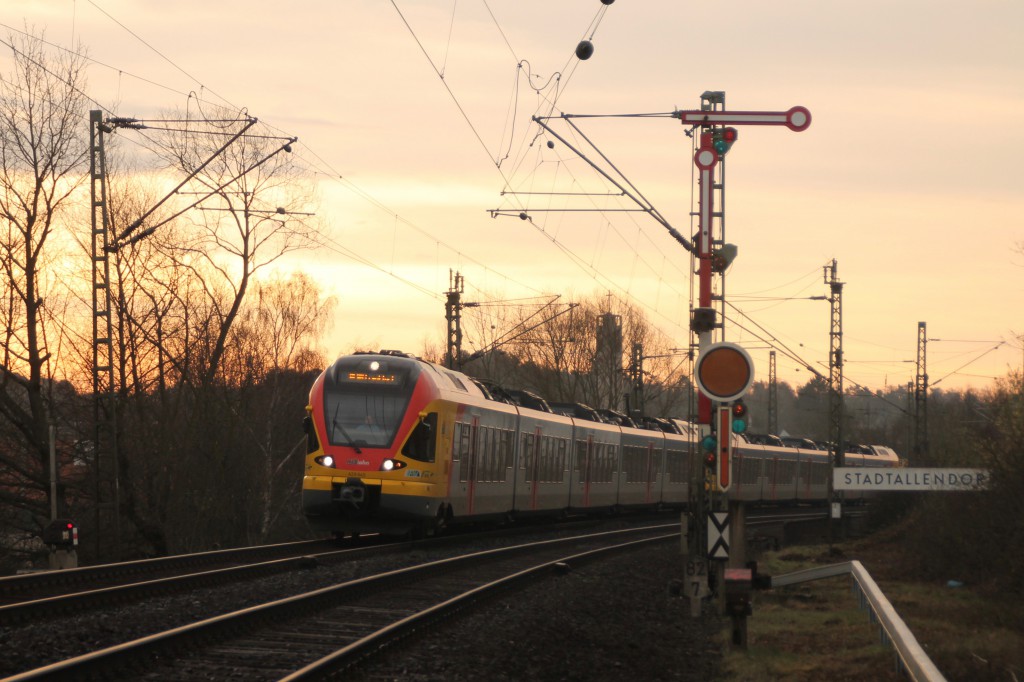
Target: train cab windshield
(365, 398)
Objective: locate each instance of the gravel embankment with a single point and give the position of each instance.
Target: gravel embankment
(616, 619)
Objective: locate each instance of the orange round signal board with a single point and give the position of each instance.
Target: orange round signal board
(724, 372)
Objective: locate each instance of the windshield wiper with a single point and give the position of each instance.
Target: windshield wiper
(337, 425)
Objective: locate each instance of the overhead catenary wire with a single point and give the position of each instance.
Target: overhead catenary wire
(159, 53)
(196, 97)
(966, 364)
(465, 115)
(344, 180)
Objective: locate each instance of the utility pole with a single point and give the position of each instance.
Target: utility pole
(453, 314)
(107, 518)
(912, 422)
(837, 456)
(921, 394)
(636, 377)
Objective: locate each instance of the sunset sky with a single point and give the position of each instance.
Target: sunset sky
(416, 117)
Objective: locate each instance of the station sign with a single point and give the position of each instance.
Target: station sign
(909, 479)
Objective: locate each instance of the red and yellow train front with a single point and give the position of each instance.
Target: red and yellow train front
(373, 461)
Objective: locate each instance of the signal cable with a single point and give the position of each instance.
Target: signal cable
(160, 54)
(996, 347)
(198, 99)
(204, 88)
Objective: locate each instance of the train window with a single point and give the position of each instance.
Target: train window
(676, 465)
(552, 460)
(421, 443)
(484, 470)
(504, 452)
(363, 415)
(581, 463)
(489, 469)
(563, 446)
(460, 447)
(544, 459)
(750, 471)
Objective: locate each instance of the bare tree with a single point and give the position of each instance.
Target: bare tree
(200, 358)
(43, 151)
(259, 212)
(581, 355)
(273, 345)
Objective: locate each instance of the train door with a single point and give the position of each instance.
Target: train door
(639, 463)
(529, 439)
(786, 476)
(649, 474)
(463, 472)
(804, 476)
(534, 454)
(550, 483)
(676, 471)
(492, 458)
(580, 492)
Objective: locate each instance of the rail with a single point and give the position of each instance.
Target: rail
(910, 656)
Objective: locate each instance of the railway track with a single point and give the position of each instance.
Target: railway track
(308, 635)
(32, 597)
(49, 583)
(36, 596)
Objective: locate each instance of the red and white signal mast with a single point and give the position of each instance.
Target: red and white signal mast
(724, 371)
(717, 135)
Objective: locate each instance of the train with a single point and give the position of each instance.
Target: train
(398, 445)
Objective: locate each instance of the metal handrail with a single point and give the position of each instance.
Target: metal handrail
(910, 656)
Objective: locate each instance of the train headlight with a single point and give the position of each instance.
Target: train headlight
(325, 461)
(392, 465)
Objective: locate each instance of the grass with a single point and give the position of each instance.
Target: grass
(816, 631)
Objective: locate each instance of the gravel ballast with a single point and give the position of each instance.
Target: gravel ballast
(611, 619)
(616, 619)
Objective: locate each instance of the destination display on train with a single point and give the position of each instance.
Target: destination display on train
(366, 377)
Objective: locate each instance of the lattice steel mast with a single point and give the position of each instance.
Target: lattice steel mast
(453, 314)
(105, 465)
(837, 456)
(921, 393)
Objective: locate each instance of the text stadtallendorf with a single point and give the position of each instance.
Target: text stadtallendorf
(848, 478)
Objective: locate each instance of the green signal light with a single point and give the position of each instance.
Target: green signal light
(709, 443)
(723, 139)
(739, 425)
